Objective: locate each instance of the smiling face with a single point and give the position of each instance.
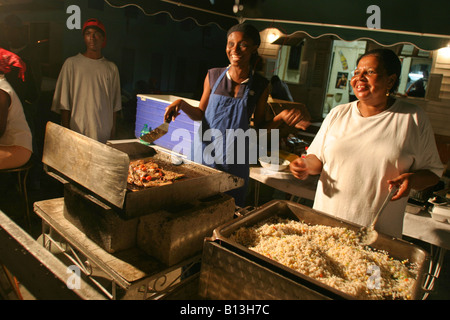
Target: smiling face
(240, 49)
(371, 82)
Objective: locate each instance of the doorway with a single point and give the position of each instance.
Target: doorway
(343, 63)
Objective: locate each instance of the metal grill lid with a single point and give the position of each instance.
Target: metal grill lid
(102, 170)
(92, 164)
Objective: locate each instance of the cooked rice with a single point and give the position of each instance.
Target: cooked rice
(332, 255)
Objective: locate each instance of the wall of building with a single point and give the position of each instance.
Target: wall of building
(309, 85)
(441, 65)
(174, 55)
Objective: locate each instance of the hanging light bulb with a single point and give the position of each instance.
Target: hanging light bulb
(445, 52)
(272, 36)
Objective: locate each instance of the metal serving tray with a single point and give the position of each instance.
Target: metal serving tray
(102, 171)
(265, 278)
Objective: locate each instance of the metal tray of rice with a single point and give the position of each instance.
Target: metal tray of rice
(285, 250)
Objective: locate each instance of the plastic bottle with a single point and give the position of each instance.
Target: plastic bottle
(145, 130)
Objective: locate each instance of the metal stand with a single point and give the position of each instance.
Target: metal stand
(437, 259)
(128, 275)
(39, 271)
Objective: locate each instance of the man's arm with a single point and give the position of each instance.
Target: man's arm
(5, 102)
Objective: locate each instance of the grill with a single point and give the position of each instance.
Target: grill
(168, 222)
(101, 171)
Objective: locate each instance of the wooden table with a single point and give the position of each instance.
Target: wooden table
(285, 182)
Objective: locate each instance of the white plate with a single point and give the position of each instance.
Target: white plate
(274, 164)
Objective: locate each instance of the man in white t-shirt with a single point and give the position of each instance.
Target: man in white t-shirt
(87, 93)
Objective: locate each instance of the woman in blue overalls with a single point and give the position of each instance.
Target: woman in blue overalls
(230, 96)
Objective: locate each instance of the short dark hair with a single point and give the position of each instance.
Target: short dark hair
(389, 61)
(248, 30)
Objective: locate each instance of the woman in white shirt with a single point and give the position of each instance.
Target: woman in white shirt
(366, 146)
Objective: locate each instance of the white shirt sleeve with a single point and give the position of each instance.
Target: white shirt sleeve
(316, 147)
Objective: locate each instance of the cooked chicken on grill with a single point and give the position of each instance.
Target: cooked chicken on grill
(146, 173)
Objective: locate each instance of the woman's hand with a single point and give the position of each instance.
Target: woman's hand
(173, 110)
(290, 116)
(305, 166)
(419, 180)
(404, 185)
(303, 124)
(299, 168)
(293, 118)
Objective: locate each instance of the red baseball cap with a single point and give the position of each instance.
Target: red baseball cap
(95, 23)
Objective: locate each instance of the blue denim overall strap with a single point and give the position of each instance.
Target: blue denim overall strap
(224, 115)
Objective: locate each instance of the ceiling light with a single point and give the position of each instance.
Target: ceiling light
(445, 52)
(272, 37)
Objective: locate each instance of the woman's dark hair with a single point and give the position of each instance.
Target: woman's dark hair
(248, 30)
(389, 61)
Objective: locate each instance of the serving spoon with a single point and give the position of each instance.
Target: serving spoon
(368, 234)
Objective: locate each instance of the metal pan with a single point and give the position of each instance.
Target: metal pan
(397, 248)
